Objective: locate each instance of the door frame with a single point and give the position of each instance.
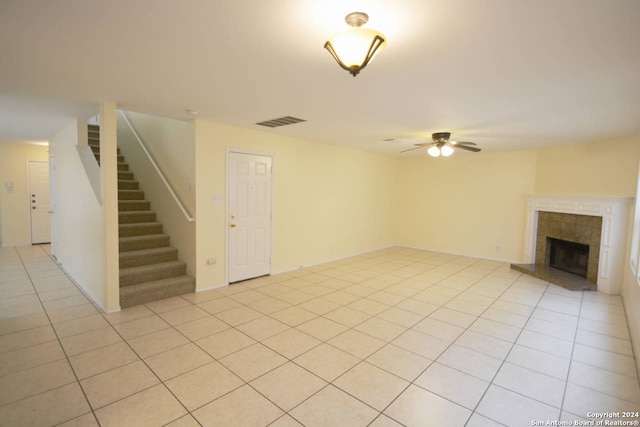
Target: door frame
(52, 205)
(227, 221)
(30, 219)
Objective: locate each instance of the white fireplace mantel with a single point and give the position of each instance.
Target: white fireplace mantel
(615, 219)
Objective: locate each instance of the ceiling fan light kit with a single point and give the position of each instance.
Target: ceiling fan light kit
(434, 151)
(441, 146)
(446, 150)
(355, 47)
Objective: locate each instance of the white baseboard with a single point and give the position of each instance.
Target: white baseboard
(510, 261)
(210, 288)
(85, 292)
(299, 267)
(14, 245)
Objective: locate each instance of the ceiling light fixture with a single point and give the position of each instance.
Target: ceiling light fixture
(440, 150)
(355, 47)
(434, 151)
(442, 146)
(446, 150)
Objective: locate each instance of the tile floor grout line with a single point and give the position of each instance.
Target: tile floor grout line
(358, 363)
(141, 359)
(434, 360)
(570, 359)
(93, 410)
(507, 355)
(464, 289)
(449, 346)
(573, 346)
(64, 351)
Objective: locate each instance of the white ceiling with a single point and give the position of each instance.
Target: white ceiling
(506, 74)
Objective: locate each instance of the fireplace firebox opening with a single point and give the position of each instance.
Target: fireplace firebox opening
(568, 256)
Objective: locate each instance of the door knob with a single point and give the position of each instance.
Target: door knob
(33, 207)
(231, 225)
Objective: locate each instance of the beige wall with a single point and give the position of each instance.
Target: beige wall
(79, 218)
(470, 204)
(600, 168)
(171, 143)
(631, 298)
(475, 204)
(15, 228)
(631, 286)
(329, 201)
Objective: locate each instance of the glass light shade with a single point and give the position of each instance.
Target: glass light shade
(446, 150)
(355, 47)
(352, 45)
(434, 151)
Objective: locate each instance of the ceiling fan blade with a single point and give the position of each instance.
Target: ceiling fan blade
(463, 143)
(410, 149)
(464, 147)
(424, 144)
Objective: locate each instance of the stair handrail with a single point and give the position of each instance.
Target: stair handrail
(162, 177)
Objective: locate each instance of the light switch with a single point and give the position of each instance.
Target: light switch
(217, 198)
(8, 185)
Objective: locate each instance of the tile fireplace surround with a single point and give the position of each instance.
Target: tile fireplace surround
(614, 212)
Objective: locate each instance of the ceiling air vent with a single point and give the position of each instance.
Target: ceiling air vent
(282, 121)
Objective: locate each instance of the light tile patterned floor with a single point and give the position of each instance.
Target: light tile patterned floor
(394, 337)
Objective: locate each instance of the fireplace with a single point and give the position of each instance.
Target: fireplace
(568, 256)
(607, 238)
(569, 237)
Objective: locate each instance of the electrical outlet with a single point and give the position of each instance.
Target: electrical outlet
(211, 261)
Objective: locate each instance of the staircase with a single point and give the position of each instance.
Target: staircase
(149, 267)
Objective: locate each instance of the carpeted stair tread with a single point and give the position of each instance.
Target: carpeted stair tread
(147, 256)
(128, 184)
(156, 290)
(130, 194)
(132, 217)
(133, 205)
(148, 241)
(151, 272)
(139, 228)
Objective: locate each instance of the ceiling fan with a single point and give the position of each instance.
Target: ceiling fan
(442, 146)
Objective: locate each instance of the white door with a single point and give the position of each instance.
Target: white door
(39, 202)
(249, 219)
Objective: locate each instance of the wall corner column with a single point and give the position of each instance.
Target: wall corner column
(109, 181)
